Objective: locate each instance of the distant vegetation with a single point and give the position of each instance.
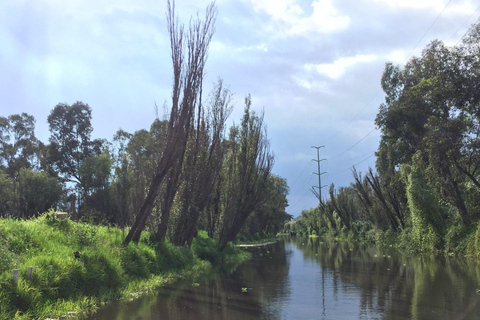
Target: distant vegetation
(424, 195)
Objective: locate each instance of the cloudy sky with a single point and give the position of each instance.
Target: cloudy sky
(314, 66)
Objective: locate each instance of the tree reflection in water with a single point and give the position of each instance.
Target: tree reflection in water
(395, 286)
(301, 278)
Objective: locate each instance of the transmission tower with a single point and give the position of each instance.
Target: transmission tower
(318, 193)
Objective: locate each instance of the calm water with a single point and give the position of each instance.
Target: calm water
(307, 279)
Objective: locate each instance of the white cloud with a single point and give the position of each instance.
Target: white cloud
(397, 56)
(464, 7)
(337, 68)
(416, 4)
(291, 19)
(324, 19)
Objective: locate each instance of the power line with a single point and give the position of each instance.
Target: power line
(355, 117)
(478, 8)
(300, 174)
(461, 26)
(375, 95)
(300, 198)
(338, 155)
(360, 156)
(356, 164)
(429, 28)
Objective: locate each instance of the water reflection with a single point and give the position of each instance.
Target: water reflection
(393, 286)
(301, 278)
(243, 294)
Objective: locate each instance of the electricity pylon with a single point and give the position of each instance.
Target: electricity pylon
(319, 173)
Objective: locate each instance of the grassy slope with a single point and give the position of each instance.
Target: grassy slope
(106, 270)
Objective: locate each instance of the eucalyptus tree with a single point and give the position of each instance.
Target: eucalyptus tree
(70, 145)
(433, 105)
(18, 144)
(122, 178)
(19, 148)
(188, 71)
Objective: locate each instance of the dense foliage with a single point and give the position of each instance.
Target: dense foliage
(62, 285)
(426, 186)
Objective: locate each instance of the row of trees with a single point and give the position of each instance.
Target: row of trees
(182, 174)
(428, 162)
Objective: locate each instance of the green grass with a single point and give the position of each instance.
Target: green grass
(106, 271)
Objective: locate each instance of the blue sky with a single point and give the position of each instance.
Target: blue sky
(314, 66)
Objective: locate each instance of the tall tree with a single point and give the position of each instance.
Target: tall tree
(203, 162)
(18, 144)
(186, 93)
(248, 167)
(18, 148)
(70, 143)
(433, 105)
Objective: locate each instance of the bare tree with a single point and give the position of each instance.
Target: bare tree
(186, 95)
(248, 167)
(203, 163)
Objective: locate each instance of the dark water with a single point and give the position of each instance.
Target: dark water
(307, 279)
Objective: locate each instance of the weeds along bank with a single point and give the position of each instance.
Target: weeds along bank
(453, 240)
(106, 270)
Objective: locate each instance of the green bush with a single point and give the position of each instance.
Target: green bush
(206, 248)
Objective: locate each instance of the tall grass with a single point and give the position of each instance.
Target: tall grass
(106, 270)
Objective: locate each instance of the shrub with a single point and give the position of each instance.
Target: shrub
(206, 248)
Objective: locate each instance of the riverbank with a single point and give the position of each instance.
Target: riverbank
(105, 270)
(456, 240)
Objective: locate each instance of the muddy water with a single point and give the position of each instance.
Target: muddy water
(300, 278)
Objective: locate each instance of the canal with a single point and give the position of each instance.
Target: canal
(300, 278)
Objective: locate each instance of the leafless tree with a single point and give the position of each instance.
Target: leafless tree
(188, 71)
(203, 163)
(248, 168)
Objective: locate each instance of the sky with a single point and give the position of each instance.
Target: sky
(314, 67)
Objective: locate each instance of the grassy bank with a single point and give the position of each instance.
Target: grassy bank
(457, 240)
(106, 270)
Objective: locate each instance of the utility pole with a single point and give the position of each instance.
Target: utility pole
(319, 173)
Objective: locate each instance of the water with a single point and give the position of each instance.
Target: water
(299, 278)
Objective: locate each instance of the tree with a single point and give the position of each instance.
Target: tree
(38, 192)
(70, 143)
(94, 173)
(186, 94)
(247, 170)
(6, 195)
(427, 224)
(433, 105)
(203, 162)
(271, 216)
(122, 178)
(18, 144)
(18, 147)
